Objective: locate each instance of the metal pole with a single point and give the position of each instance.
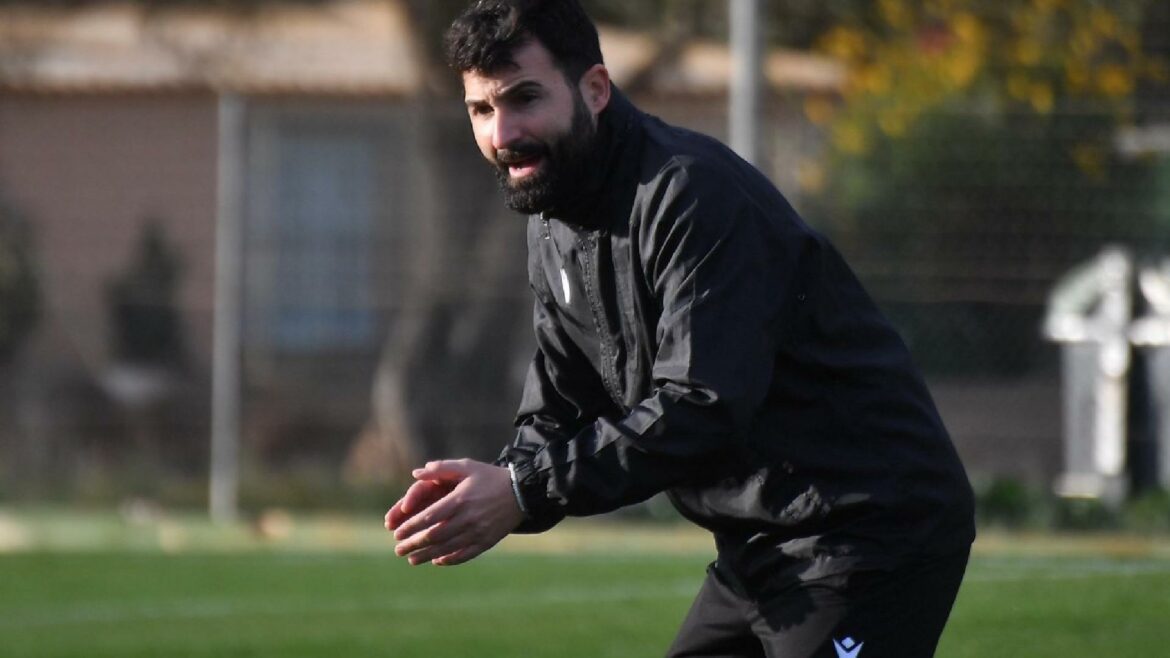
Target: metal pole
(746, 76)
(225, 386)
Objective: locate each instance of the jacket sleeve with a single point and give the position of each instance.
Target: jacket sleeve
(709, 257)
(561, 388)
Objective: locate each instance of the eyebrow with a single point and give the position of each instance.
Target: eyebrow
(509, 92)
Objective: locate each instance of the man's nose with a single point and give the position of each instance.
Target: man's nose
(505, 130)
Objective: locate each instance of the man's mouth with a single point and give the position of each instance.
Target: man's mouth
(526, 166)
(520, 163)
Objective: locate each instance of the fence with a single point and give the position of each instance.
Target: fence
(386, 307)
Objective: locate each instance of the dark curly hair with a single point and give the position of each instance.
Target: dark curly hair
(488, 32)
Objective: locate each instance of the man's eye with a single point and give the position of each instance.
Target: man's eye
(480, 110)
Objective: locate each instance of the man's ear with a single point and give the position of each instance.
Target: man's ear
(595, 88)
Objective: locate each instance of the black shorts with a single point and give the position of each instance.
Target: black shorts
(899, 613)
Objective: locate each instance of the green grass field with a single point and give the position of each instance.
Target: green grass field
(563, 596)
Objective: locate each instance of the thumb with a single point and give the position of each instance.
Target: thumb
(447, 470)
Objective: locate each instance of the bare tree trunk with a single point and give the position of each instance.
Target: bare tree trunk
(390, 446)
(446, 385)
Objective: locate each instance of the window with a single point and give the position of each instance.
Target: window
(313, 228)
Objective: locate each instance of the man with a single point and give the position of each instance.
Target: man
(695, 337)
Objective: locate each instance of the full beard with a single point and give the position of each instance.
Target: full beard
(562, 173)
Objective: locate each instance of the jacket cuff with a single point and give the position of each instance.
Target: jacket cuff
(531, 493)
(516, 490)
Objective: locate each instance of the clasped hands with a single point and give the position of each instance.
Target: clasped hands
(455, 510)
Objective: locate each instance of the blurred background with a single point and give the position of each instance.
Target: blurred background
(249, 247)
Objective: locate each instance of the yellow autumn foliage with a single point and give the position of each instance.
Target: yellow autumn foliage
(1026, 55)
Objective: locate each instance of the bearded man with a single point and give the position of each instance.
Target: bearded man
(695, 337)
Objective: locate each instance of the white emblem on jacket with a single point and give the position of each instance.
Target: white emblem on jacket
(566, 288)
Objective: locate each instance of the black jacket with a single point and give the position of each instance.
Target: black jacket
(696, 337)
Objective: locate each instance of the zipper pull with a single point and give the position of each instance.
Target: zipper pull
(544, 231)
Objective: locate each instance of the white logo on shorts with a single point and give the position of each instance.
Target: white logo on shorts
(847, 648)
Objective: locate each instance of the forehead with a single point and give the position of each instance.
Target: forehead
(533, 62)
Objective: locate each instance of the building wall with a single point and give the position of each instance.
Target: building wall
(87, 172)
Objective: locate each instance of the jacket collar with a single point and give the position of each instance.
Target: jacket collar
(605, 195)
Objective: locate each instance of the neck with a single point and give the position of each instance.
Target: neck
(581, 206)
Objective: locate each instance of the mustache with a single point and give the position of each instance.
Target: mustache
(519, 153)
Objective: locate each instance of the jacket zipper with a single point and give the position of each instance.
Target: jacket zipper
(608, 353)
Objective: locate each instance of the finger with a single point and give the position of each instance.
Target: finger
(394, 516)
(438, 512)
(397, 514)
(418, 494)
(458, 556)
(424, 555)
(432, 536)
(444, 471)
(416, 498)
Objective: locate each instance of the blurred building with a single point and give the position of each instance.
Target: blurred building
(385, 310)
(383, 286)
(108, 126)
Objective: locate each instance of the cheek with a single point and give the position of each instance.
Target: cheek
(485, 148)
(484, 141)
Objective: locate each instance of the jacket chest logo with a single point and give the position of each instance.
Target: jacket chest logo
(566, 287)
